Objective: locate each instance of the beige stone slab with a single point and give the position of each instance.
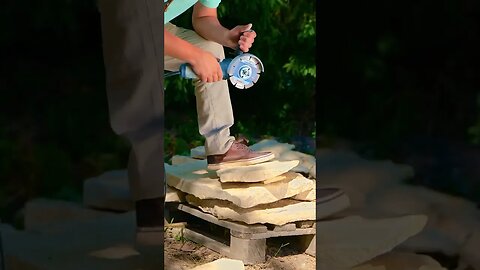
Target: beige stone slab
(309, 195)
(178, 159)
(318, 193)
(233, 226)
(301, 168)
(306, 164)
(174, 195)
(278, 213)
(306, 196)
(350, 241)
(193, 178)
(313, 171)
(222, 264)
(272, 145)
(256, 173)
(401, 261)
(283, 177)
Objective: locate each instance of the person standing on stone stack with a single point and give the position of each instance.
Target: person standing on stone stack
(202, 49)
(131, 33)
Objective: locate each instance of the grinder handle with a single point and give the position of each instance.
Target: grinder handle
(237, 49)
(187, 72)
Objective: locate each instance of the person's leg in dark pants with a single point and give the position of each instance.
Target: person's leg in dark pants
(132, 33)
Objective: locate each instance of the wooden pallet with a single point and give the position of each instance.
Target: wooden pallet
(247, 242)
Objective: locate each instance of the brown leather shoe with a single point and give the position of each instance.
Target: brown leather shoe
(238, 155)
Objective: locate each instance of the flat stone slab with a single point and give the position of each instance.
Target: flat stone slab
(358, 177)
(193, 178)
(278, 213)
(256, 173)
(222, 264)
(452, 220)
(272, 145)
(330, 201)
(401, 261)
(432, 241)
(104, 243)
(108, 191)
(347, 242)
(178, 159)
(307, 163)
(309, 195)
(282, 177)
(469, 251)
(41, 213)
(174, 195)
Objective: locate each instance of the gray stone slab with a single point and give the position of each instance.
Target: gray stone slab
(79, 245)
(347, 242)
(109, 191)
(40, 213)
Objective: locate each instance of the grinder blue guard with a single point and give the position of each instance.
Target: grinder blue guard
(243, 71)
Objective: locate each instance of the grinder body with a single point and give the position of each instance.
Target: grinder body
(186, 70)
(243, 71)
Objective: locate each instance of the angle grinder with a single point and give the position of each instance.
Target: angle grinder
(243, 71)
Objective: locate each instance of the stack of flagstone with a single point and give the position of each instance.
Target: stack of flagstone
(276, 192)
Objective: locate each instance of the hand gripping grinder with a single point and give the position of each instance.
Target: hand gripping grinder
(243, 71)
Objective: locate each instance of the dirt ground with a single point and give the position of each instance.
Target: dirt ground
(181, 254)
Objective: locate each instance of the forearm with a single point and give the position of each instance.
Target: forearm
(210, 29)
(179, 48)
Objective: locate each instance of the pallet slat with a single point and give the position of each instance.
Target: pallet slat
(247, 242)
(227, 224)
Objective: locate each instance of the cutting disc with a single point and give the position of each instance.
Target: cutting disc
(244, 70)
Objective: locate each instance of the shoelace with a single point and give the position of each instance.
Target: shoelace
(241, 144)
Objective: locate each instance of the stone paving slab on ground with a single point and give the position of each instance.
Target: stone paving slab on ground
(452, 220)
(345, 243)
(104, 243)
(358, 177)
(401, 261)
(40, 213)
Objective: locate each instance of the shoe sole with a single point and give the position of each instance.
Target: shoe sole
(238, 163)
